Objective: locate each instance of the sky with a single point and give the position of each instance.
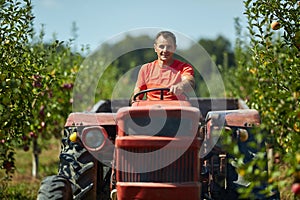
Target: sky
(100, 20)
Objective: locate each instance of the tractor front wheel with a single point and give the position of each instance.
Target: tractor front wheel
(55, 188)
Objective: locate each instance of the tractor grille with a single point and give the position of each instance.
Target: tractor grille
(184, 169)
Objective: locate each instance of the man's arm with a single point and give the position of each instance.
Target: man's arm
(187, 84)
(136, 90)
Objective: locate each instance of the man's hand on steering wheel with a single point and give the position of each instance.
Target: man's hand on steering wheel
(183, 86)
(176, 89)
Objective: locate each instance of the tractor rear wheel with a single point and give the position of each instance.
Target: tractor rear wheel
(55, 188)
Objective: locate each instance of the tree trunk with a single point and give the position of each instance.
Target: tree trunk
(35, 159)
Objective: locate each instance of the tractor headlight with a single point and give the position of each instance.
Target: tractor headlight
(94, 138)
(242, 134)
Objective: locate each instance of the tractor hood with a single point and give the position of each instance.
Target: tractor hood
(91, 119)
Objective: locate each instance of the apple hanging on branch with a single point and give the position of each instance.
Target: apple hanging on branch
(296, 188)
(275, 25)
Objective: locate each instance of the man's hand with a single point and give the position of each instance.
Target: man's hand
(136, 90)
(176, 89)
(185, 85)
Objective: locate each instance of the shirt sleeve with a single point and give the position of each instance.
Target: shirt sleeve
(187, 70)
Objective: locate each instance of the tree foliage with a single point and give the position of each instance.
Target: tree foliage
(268, 74)
(124, 67)
(36, 83)
(220, 50)
(275, 68)
(19, 77)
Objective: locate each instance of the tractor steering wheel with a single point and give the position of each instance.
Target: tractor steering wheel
(156, 89)
(151, 90)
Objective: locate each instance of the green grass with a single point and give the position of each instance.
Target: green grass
(23, 186)
(21, 191)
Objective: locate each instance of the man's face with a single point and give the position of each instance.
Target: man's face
(164, 48)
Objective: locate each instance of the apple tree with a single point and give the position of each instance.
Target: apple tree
(20, 78)
(268, 77)
(36, 81)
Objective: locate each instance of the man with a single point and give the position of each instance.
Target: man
(165, 72)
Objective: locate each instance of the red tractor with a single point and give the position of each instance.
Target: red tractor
(154, 150)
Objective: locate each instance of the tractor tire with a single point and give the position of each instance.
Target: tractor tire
(55, 188)
(79, 167)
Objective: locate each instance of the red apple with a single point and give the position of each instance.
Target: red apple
(43, 124)
(296, 188)
(7, 165)
(25, 147)
(32, 135)
(24, 138)
(42, 110)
